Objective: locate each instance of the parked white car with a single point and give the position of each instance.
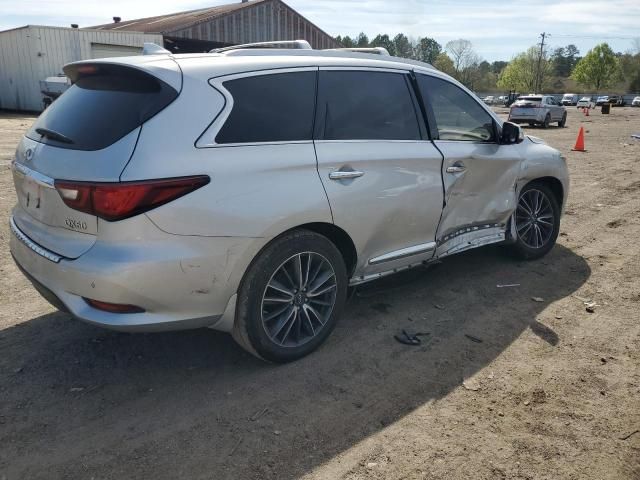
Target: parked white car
(247, 189)
(586, 102)
(538, 110)
(569, 99)
(489, 100)
(635, 102)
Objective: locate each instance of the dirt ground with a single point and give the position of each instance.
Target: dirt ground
(503, 387)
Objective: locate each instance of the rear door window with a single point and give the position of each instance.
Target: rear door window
(365, 105)
(270, 108)
(457, 115)
(105, 103)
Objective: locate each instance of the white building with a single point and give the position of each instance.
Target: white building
(32, 53)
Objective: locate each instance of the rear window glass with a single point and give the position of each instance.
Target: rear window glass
(103, 105)
(364, 105)
(270, 108)
(530, 99)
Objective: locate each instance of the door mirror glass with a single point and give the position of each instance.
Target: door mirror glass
(511, 133)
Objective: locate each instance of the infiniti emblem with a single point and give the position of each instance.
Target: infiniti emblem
(28, 155)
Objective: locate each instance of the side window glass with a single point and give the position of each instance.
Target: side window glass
(365, 105)
(270, 108)
(458, 116)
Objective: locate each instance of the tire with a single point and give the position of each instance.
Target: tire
(528, 245)
(562, 123)
(278, 326)
(547, 121)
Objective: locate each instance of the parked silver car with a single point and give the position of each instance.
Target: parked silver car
(246, 190)
(538, 110)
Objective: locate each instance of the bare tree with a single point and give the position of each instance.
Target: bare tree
(465, 60)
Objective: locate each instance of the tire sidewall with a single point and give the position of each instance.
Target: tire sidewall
(522, 249)
(260, 273)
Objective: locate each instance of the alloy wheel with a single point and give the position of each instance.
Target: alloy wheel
(298, 299)
(534, 219)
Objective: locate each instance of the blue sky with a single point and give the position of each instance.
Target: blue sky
(498, 29)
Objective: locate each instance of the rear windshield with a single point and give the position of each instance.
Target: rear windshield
(105, 103)
(530, 99)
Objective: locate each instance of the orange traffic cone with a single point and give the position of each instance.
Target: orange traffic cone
(579, 147)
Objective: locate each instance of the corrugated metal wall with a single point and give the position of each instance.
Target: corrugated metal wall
(30, 54)
(267, 21)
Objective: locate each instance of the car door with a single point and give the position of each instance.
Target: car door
(555, 109)
(479, 174)
(381, 173)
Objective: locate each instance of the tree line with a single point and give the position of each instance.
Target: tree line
(556, 70)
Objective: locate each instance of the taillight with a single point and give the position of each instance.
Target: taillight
(117, 201)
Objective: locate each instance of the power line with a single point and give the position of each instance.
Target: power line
(599, 37)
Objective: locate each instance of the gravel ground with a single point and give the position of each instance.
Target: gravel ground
(503, 387)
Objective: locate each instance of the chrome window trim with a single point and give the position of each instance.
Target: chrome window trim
(39, 178)
(43, 252)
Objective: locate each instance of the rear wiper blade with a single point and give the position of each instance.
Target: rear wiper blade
(53, 135)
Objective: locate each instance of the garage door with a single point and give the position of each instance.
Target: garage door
(102, 50)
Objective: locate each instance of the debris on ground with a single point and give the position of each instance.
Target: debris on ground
(410, 338)
(76, 389)
(258, 414)
(508, 285)
(472, 338)
(537, 299)
(627, 437)
(438, 306)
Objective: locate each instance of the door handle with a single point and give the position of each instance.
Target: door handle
(456, 169)
(345, 175)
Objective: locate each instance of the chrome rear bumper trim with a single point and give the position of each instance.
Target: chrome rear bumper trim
(43, 252)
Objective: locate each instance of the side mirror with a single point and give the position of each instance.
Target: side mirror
(511, 133)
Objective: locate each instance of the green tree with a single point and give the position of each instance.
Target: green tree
(427, 50)
(385, 42)
(498, 66)
(444, 64)
(522, 71)
(362, 41)
(402, 46)
(599, 68)
(347, 42)
(564, 59)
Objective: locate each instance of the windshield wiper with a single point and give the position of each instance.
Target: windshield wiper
(53, 135)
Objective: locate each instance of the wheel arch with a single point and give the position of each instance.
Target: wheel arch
(554, 184)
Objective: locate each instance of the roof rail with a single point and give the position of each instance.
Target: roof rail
(151, 48)
(295, 44)
(373, 50)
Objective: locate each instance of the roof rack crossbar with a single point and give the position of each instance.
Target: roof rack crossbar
(373, 50)
(294, 44)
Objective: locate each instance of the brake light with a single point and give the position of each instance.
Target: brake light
(117, 201)
(113, 307)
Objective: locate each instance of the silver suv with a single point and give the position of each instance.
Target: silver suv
(246, 190)
(538, 110)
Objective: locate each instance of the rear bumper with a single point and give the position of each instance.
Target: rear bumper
(535, 118)
(181, 282)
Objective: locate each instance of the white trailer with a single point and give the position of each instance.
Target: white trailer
(32, 53)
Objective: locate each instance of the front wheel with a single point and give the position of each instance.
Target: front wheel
(291, 297)
(537, 221)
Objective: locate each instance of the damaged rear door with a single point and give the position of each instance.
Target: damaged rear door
(479, 174)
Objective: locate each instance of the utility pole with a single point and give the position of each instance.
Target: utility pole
(543, 35)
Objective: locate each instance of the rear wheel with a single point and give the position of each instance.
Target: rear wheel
(537, 221)
(291, 297)
(547, 121)
(562, 123)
